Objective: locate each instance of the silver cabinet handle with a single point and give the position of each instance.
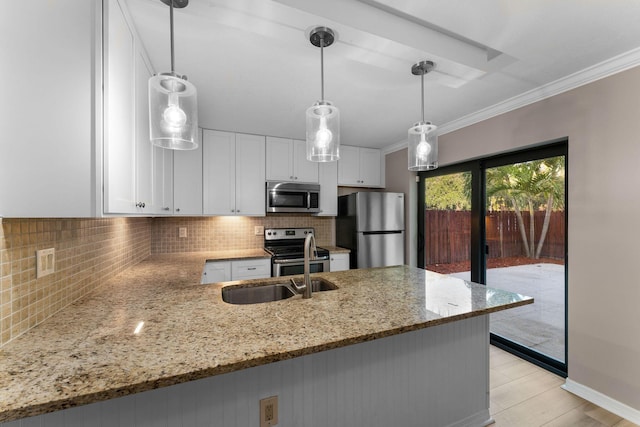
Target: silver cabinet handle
(165, 209)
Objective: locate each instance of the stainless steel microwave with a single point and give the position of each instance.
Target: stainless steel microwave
(293, 197)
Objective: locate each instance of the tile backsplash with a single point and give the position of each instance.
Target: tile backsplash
(227, 232)
(89, 251)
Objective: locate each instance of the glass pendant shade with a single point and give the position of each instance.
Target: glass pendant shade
(323, 118)
(323, 132)
(423, 147)
(173, 115)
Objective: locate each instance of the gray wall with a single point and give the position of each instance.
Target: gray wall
(403, 181)
(602, 122)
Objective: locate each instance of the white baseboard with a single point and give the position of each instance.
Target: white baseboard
(604, 401)
(482, 418)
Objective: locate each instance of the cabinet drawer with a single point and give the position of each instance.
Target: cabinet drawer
(251, 269)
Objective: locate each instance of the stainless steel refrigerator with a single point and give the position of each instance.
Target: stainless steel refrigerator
(371, 224)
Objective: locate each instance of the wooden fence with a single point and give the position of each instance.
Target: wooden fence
(448, 235)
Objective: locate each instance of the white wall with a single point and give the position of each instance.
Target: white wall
(602, 122)
(404, 181)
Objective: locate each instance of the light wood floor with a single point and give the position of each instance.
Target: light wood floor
(524, 395)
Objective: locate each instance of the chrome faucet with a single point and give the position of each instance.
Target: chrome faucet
(308, 241)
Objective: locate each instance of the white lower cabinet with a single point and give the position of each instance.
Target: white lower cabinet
(216, 271)
(224, 271)
(251, 269)
(338, 262)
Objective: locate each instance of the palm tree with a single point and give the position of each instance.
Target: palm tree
(529, 186)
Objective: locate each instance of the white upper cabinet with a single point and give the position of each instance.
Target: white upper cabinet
(360, 167)
(49, 161)
(328, 174)
(233, 173)
(287, 161)
(119, 112)
(187, 180)
(138, 177)
(250, 175)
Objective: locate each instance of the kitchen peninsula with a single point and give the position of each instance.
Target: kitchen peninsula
(391, 346)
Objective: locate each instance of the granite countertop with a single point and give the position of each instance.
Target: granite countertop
(89, 352)
(336, 249)
(231, 255)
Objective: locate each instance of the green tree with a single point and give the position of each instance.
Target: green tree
(448, 192)
(529, 186)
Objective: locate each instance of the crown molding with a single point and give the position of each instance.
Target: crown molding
(588, 75)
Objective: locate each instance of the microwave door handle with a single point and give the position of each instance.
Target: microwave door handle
(308, 199)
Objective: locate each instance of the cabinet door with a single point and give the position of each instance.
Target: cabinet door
(338, 262)
(145, 165)
(328, 174)
(51, 84)
(279, 152)
(370, 167)
(250, 175)
(162, 183)
(349, 166)
(216, 271)
(119, 125)
(219, 172)
(187, 181)
(303, 170)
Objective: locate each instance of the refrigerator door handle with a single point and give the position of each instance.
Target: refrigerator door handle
(382, 232)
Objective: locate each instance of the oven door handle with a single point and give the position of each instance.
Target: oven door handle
(299, 260)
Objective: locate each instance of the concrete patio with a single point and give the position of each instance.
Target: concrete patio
(540, 325)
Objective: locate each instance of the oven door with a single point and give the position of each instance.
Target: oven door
(292, 268)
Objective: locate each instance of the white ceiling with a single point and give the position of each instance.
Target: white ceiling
(257, 72)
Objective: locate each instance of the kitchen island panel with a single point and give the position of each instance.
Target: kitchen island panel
(429, 377)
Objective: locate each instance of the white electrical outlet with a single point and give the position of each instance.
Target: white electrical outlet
(258, 230)
(269, 411)
(45, 262)
(182, 232)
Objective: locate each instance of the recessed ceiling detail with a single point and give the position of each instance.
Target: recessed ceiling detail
(487, 51)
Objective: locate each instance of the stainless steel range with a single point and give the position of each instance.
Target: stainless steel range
(286, 246)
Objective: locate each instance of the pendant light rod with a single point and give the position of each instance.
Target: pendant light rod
(177, 4)
(420, 69)
(322, 37)
(322, 68)
(173, 69)
(422, 89)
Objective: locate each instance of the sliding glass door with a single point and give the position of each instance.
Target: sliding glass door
(501, 221)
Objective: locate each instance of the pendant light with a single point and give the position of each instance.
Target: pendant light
(173, 109)
(323, 118)
(423, 139)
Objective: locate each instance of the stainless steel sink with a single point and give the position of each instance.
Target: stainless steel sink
(268, 292)
(319, 285)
